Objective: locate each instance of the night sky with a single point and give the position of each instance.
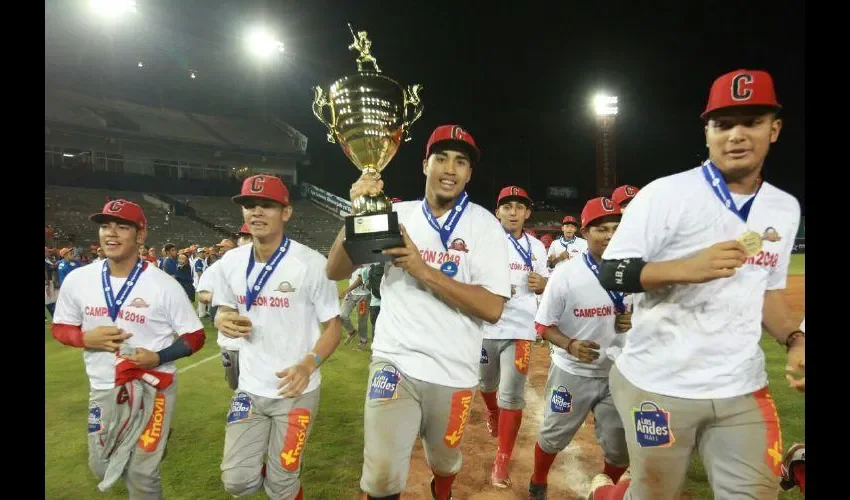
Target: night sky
(519, 78)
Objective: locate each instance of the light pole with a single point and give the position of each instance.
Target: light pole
(605, 108)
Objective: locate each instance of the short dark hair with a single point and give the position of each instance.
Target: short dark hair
(168, 246)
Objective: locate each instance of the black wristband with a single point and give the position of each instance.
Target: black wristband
(622, 275)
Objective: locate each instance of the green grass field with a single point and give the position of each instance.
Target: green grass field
(333, 458)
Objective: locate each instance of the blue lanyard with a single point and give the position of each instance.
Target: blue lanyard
(616, 297)
(525, 254)
(265, 274)
(113, 304)
(454, 216)
(564, 242)
(721, 190)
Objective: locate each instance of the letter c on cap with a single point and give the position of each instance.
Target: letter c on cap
(742, 87)
(257, 184)
(115, 206)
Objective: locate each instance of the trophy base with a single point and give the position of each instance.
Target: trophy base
(367, 235)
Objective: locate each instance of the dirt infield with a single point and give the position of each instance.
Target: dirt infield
(572, 471)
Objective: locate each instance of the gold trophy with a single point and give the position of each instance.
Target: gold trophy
(370, 114)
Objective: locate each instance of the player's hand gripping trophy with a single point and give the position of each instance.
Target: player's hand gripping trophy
(370, 114)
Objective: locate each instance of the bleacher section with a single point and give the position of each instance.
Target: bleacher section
(68, 209)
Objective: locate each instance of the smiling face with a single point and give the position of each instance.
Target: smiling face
(120, 240)
(447, 173)
(739, 138)
(265, 218)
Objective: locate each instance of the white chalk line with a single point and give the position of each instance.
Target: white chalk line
(199, 363)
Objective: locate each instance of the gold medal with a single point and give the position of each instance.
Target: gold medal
(752, 242)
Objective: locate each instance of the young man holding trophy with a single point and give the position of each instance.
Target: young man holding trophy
(442, 286)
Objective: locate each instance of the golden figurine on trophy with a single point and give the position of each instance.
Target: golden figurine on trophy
(370, 114)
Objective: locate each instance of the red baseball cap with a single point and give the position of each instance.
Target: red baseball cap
(513, 192)
(451, 136)
(742, 88)
(244, 229)
(121, 210)
(570, 220)
(598, 208)
(263, 186)
(624, 193)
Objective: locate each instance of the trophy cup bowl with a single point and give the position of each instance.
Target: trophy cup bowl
(370, 115)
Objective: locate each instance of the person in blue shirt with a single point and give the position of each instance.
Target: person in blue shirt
(169, 265)
(70, 261)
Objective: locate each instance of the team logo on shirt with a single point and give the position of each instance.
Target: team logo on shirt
(770, 234)
(296, 437)
(561, 400)
(95, 415)
(384, 384)
(459, 245)
(458, 416)
(240, 406)
(138, 302)
(149, 440)
(285, 287)
(652, 426)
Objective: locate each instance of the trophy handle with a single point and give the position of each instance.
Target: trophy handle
(320, 101)
(411, 98)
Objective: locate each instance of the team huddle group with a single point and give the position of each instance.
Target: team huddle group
(653, 317)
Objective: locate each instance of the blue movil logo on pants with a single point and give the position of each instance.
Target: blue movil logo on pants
(561, 400)
(240, 408)
(652, 425)
(484, 358)
(384, 383)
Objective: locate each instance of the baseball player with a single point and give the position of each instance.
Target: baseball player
(198, 269)
(623, 195)
(582, 321)
(356, 298)
(506, 350)
(69, 261)
(447, 280)
(692, 374)
(568, 245)
(124, 303)
(275, 296)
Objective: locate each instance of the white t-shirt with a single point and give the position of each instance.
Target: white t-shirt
(575, 247)
(425, 337)
(575, 302)
(517, 321)
(208, 282)
(156, 308)
(361, 290)
(285, 316)
(701, 341)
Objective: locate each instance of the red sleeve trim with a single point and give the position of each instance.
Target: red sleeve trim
(68, 334)
(195, 340)
(540, 328)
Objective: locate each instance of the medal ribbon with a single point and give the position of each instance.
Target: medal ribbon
(525, 254)
(265, 274)
(616, 297)
(454, 216)
(721, 190)
(113, 304)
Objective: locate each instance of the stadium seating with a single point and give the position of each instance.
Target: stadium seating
(68, 209)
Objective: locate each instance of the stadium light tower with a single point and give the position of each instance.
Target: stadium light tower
(605, 107)
(111, 9)
(262, 43)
